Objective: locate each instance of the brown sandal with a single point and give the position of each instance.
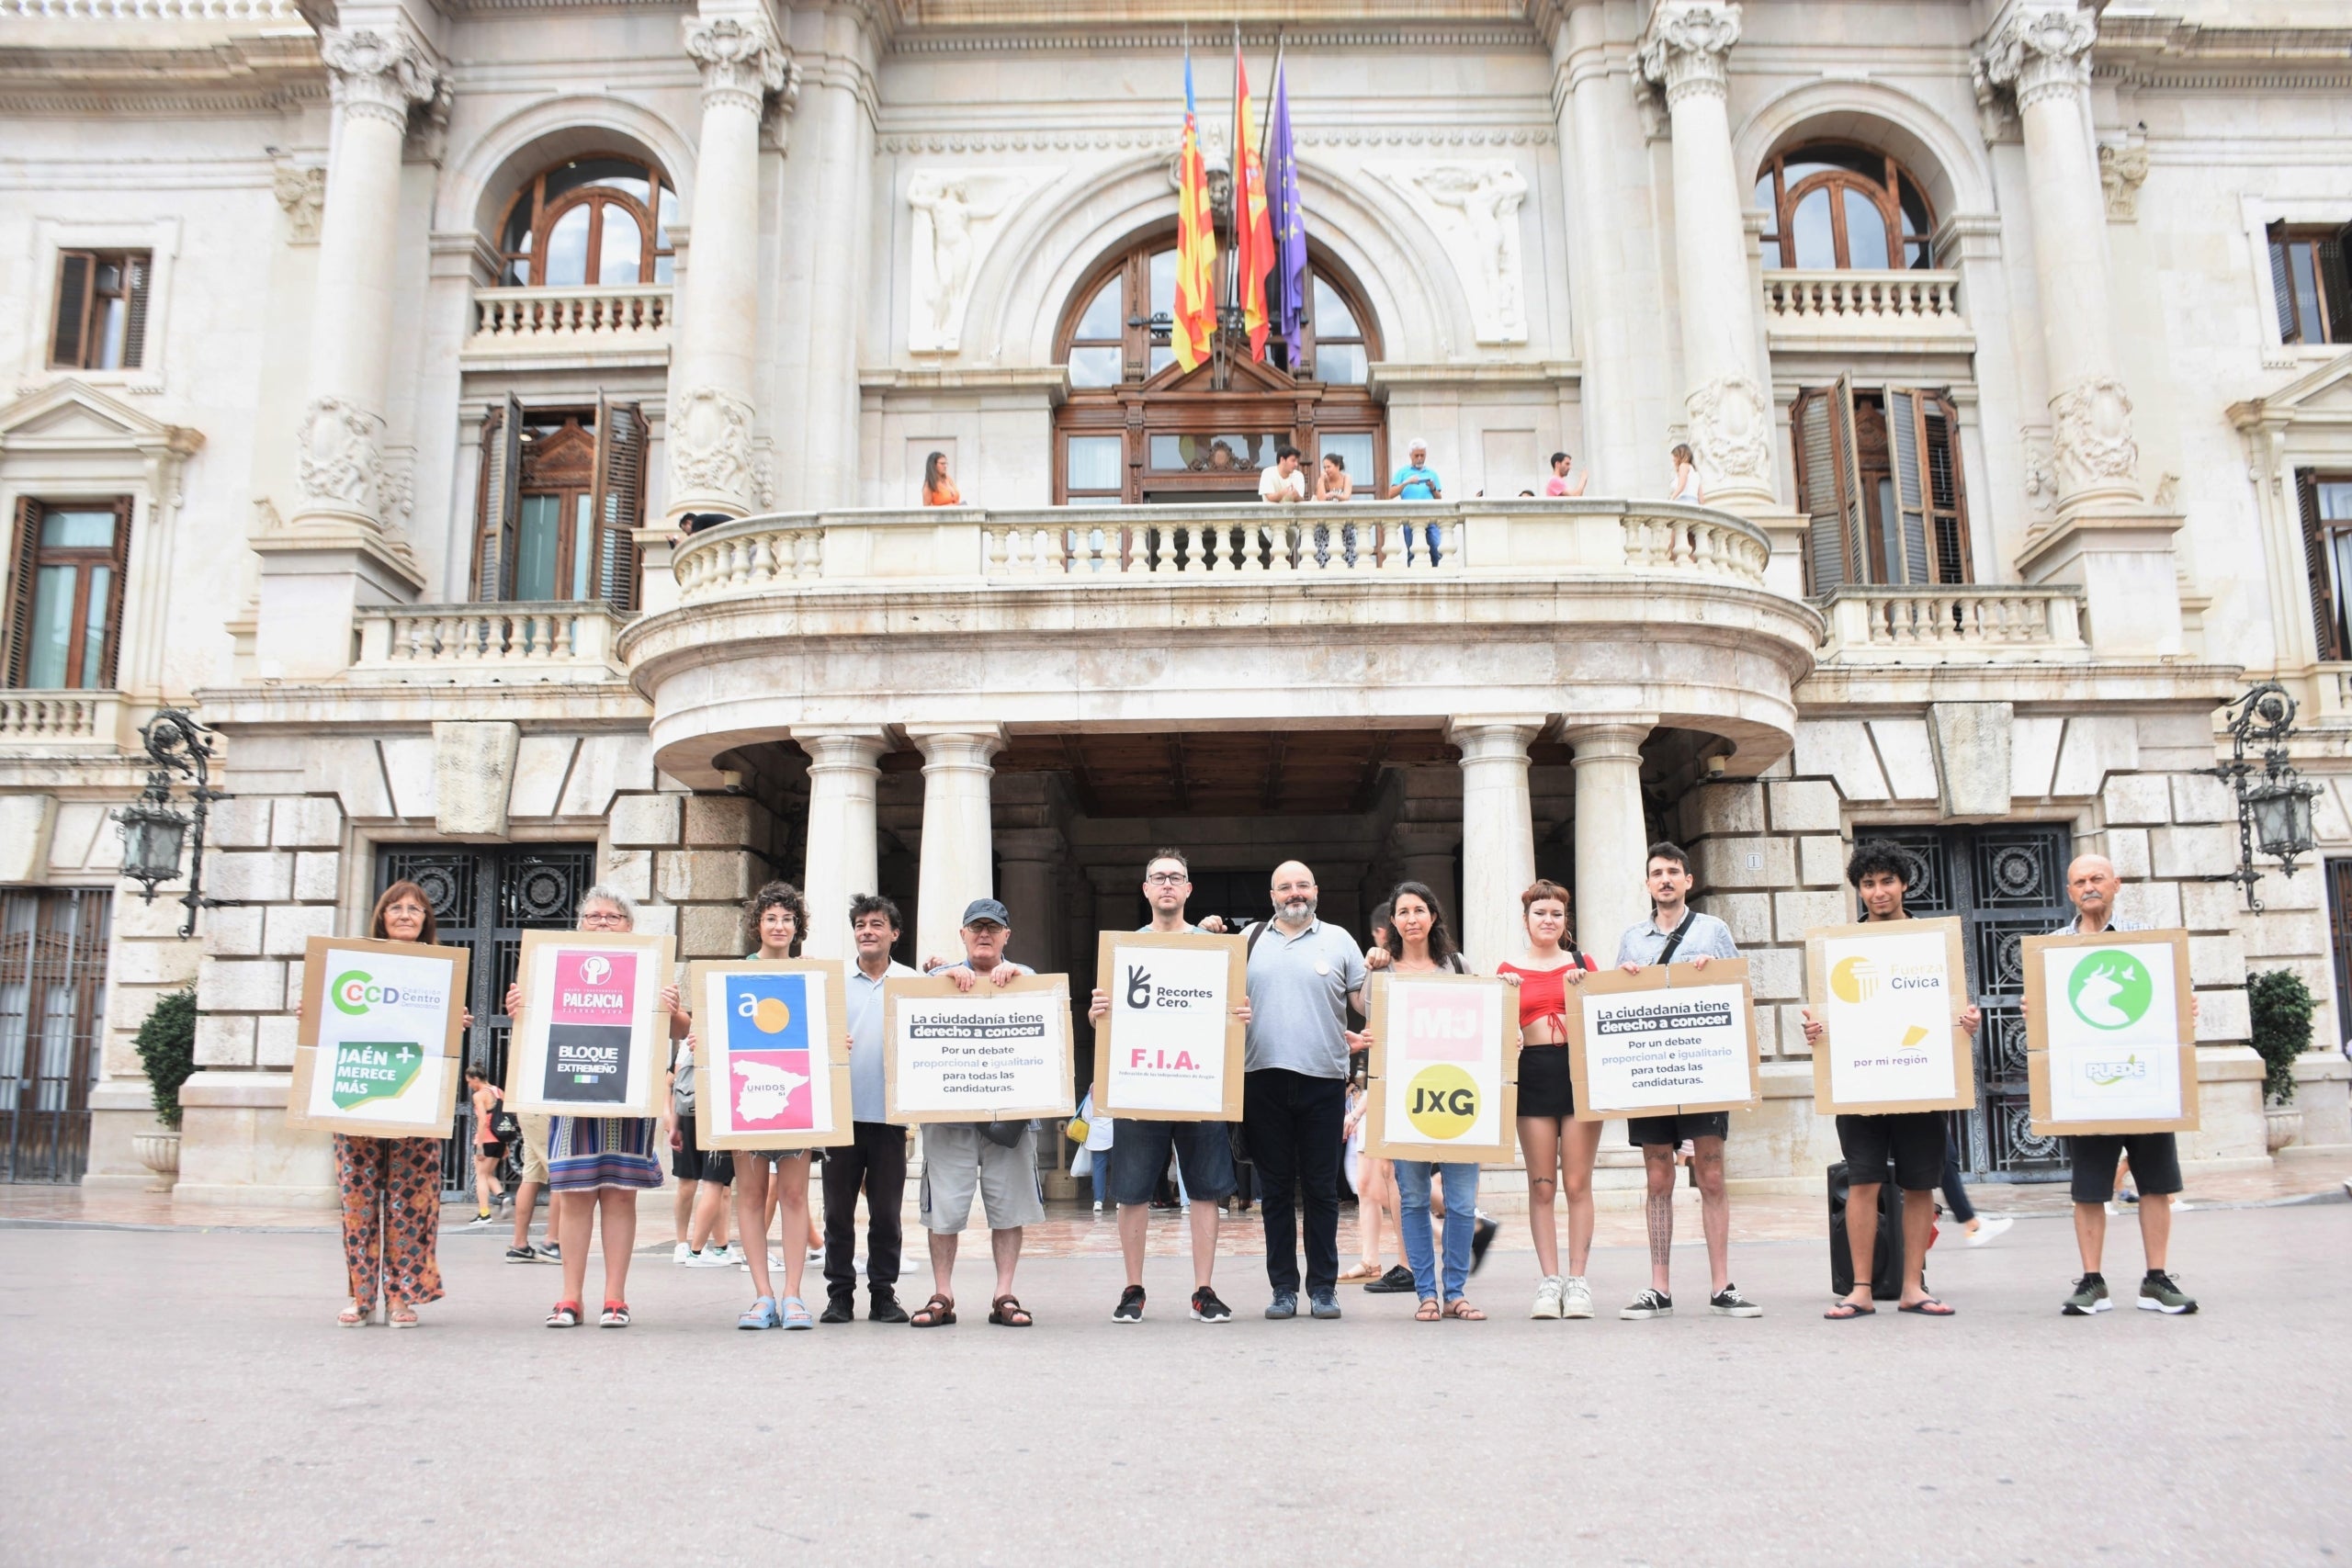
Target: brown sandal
(936, 1313)
(1462, 1309)
(1428, 1311)
(1007, 1312)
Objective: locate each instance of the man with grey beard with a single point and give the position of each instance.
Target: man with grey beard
(1303, 975)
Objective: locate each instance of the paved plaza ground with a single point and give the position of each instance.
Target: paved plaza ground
(185, 1396)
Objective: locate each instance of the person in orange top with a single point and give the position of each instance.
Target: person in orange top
(938, 489)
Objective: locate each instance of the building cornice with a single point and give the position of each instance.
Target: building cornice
(2167, 52)
(1357, 32)
(1159, 136)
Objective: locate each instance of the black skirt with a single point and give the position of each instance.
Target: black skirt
(1543, 1086)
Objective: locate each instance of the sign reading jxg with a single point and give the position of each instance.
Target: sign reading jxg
(1444, 1060)
(2110, 1046)
(1171, 1048)
(378, 1051)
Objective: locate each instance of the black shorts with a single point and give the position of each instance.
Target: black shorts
(1647, 1132)
(689, 1162)
(492, 1151)
(1913, 1140)
(1139, 1153)
(1543, 1086)
(2155, 1164)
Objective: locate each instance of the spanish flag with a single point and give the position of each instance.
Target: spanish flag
(1253, 230)
(1194, 327)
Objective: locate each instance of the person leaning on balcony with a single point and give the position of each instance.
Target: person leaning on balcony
(1331, 482)
(938, 488)
(1418, 481)
(1283, 482)
(402, 1174)
(1686, 478)
(1565, 480)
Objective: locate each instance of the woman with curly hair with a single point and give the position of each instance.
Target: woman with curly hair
(780, 916)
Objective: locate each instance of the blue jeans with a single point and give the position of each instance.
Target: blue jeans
(1101, 1161)
(1413, 1224)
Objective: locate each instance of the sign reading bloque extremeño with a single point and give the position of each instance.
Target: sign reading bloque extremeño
(993, 1054)
(591, 1036)
(1170, 1049)
(1889, 994)
(1442, 1078)
(2111, 1040)
(1671, 1039)
(381, 1034)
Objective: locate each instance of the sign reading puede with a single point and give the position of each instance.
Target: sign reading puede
(378, 1049)
(1170, 1048)
(2110, 1041)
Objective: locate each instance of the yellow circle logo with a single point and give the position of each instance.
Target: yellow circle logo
(1442, 1101)
(770, 1015)
(1854, 980)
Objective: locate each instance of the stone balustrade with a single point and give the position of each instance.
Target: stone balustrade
(630, 319)
(154, 10)
(1851, 304)
(1992, 620)
(44, 718)
(1177, 545)
(559, 641)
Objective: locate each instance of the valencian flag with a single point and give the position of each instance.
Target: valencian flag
(1286, 286)
(1253, 233)
(1194, 326)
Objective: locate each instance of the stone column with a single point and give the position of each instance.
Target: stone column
(1498, 832)
(710, 414)
(2042, 53)
(1117, 889)
(1029, 863)
(1685, 49)
(836, 131)
(1611, 833)
(956, 836)
(376, 77)
(842, 860)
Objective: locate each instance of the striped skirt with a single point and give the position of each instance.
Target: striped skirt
(586, 1153)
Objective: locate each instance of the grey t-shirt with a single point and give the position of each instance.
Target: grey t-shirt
(1707, 937)
(864, 999)
(1298, 999)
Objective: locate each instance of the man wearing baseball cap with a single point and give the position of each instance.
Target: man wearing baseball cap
(996, 1159)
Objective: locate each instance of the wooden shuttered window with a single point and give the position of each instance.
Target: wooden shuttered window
(2319, 570)
(1878, 478)
(101, 321)
(1829, 483)
(67, 563)
(498, 506)
(1924, 446)
(24, 550)
(618, 500)
(2311, 282)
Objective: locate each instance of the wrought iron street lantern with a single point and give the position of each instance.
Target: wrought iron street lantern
(154, 829)
(2274, 800)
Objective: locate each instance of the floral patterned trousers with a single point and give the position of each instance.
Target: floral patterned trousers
(406, 1173)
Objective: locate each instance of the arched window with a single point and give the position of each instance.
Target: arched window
(1833, 206)
(603, 220)
(1138, 428)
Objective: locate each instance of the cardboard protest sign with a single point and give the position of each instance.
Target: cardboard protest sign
(592, 1039)
(1887, 993)
(1671, 1039)
(1170, 1049)
(2110, 1042)
(381, 1045)
(1443, 1077)
(771, 1053)
(993, 1054)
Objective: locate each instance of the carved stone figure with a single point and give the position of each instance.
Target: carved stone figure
(303, 193)
(1729, 426)
(2093, 436)
(1473, 209)
(710, 445)
(337, 458)
(956, 223)
(2122, 169)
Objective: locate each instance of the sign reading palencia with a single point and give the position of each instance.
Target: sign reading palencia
(1889, 996)
(771, 1053)
(993, 1054)
(1171, 1048)
(1671, 1038)
(1442, 1078)
(381, 1035)
(2110, 1041)
(592, 1039)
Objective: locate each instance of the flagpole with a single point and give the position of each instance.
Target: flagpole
(1236, 176)
(1266, 137)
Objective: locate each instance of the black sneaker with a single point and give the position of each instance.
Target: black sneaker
(1482, 1236)
(1130, 1307)
(2162, 1292)
(1398, 1282)
(886, 1308)
(521, 1255)
(1284, 1305)
(1651, 1303)
(838, 1309)
(1206, 1308)
(1729, 1303)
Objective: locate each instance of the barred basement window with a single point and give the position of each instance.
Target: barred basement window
(2312, 278)
(1879, 474)
(101, 310)
(65, 594)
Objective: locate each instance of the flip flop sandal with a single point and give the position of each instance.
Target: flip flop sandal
(565, 1315)
(1462, 1309)
(1929, 1308)
(1007, 1312)
(936, 1313)
(796, 1314)
(615, 1315)
(1428, 1310)
(1846, 1312)
(761, 1316)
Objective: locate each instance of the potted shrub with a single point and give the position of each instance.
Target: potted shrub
(2282, 1008)
(166, 1047)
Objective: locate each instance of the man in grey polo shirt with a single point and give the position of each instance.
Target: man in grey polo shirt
(1303, 975)
(874, 1159)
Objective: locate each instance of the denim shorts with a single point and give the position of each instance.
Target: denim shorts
(1139, 1153)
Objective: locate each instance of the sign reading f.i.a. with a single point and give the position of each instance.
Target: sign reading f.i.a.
(1171, 1048)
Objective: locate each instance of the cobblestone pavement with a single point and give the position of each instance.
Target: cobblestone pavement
(185, 1396)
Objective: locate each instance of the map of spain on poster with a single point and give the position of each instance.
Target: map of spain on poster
(769, 1070)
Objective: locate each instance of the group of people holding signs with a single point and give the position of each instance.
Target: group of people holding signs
(1213, 1047)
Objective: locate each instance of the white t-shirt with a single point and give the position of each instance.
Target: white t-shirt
(1274, 485)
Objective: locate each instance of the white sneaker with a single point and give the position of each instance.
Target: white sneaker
(681, 1253)
(1547, 1298)
(734, 1252)
(1575, 1298)
(708, 1257)
(1098, 1211)
(1989, 1226)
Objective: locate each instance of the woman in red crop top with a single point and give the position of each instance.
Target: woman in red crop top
(1559, 1149)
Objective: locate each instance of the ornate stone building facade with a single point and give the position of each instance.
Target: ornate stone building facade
(367, 360)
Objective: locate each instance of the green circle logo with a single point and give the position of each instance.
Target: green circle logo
(2111, 989)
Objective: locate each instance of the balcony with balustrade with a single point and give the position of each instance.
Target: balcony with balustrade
(1856, 310)
(615, 327)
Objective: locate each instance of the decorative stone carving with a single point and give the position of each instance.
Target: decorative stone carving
(710, 445)
(1472, 208)
(1687, 46)
(383, 74)
(2039, 52)
(338, 457)
(957, 220)
(2122, 167)
(2040, 472)
(1730, 423)
(1996, 118)
(2093, 441)
(741, 61)
(302, 192)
